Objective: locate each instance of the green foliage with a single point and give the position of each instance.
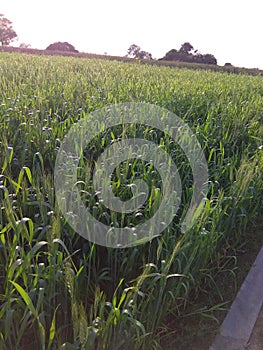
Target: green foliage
(134, 51)
(59, 46)
(58, 291)
(7, 33)
(187, 54)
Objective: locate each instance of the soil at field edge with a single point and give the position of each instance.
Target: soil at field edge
(197, 332)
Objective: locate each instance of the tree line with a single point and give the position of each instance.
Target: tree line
(186, 53)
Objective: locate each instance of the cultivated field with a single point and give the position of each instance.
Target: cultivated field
(59, 291)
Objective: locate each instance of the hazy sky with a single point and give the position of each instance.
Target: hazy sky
(231, 30)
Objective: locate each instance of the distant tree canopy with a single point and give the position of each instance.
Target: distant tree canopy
(187, 54)
(134, 51)
(61, 46)
(186, 48)
(24, 46)
(7, 33)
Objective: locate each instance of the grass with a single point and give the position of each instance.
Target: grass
(59, 291)
(197, 328)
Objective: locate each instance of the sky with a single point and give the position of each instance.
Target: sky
(230, 30)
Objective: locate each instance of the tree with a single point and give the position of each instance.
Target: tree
(61, 46)
(144, 55)
(7, 33)
(188, 54)
(134, 51)
(209, 59)
(186, 48)
(24, 46)
(171, 55)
